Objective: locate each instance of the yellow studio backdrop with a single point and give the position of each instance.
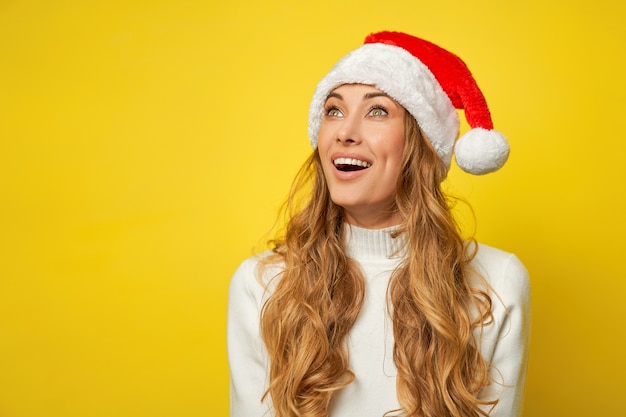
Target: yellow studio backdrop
(145, 148)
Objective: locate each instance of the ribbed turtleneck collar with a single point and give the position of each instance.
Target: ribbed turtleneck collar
(371, 244)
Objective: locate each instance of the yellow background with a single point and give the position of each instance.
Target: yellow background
(145, 148)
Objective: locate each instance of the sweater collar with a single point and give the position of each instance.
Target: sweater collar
(371, 244)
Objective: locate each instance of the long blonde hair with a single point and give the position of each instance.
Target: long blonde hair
(320, 291)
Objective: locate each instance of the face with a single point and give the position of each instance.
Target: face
(361, 143)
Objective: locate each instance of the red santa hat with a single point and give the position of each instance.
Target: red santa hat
(430, 83)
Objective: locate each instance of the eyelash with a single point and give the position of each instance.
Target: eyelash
(331, 108)
(378, 107)
(371, 109)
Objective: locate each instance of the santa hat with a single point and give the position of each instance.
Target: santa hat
(429, 82)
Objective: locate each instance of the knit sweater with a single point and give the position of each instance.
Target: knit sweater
(503, 343)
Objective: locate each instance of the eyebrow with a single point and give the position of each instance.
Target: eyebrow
(376, 94)
(366, 96)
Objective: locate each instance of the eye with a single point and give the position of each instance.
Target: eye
(333, 112)
(377, 111)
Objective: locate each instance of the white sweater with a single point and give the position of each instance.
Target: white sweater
(503, 343)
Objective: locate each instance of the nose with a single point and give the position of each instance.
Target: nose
(349, 131)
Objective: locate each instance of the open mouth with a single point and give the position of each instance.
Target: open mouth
(350, 164)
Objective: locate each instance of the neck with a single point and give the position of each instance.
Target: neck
(373, 219)
(372, 245)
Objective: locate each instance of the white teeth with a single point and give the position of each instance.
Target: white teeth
(351, 161)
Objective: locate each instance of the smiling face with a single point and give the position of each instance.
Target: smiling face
(361, 144)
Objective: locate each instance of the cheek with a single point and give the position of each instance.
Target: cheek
(396, 149)
(323, 153)
(324, 137)
(396, 154)
(324, 143)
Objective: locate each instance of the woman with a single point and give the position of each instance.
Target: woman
(372, 304)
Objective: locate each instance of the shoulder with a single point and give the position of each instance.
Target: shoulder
(252, 277)
(504, 339)
(504, 272)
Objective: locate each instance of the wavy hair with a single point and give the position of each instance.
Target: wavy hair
(318, 296)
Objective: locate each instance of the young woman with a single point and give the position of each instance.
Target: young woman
(372, 304)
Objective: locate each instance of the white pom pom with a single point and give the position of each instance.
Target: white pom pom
(481, 151)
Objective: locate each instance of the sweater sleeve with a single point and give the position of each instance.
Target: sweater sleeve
(504, 343)
(247, 356)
